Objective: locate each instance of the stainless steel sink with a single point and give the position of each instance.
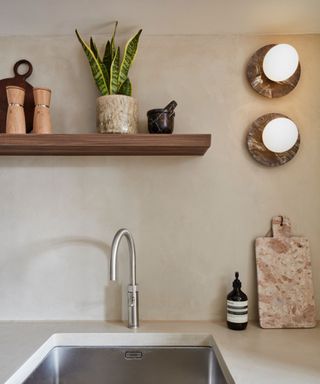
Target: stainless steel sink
(132, 365)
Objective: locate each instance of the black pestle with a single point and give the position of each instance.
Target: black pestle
(170, 107)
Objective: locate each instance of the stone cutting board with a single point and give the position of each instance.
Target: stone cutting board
(285, 288)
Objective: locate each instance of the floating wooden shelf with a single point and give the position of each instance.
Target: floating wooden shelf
(104, 144)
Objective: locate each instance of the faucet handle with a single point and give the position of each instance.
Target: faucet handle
(133, 291)
(133, 306)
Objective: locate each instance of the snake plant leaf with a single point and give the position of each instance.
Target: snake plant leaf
(107, 57)
(110, 50)
(106, 74)
(113, 49)
(95, 66)
(128, 57)
(114, 73)
(94, 48)
(126, 88)
(104, 69)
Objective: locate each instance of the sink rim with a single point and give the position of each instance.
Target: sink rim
(125, 339)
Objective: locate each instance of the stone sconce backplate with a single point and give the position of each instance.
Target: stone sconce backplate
(259, 151)
(264, 86)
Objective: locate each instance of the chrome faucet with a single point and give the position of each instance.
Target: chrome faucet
(133, 294)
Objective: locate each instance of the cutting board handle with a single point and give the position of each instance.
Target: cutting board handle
(281, 226)
(23, 75)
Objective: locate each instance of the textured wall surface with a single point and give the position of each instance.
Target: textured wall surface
(194, 219)
(47, 17)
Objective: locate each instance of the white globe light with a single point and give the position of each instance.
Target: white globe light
(280, 135)
(280, 62)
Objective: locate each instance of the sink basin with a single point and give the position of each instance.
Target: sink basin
(125, 358)
(123, 365)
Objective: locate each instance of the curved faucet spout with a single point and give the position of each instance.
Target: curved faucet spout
(133, 296)
(114, 253)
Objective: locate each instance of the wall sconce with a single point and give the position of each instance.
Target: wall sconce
(273, 139)
(274, 70)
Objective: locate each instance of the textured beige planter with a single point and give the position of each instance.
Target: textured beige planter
(117, 114)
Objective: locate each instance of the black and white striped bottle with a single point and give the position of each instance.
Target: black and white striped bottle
(237, 307)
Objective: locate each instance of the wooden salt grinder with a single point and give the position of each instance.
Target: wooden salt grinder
(16, 122)
(42, 119)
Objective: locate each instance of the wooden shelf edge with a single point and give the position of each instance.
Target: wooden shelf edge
(95, 144)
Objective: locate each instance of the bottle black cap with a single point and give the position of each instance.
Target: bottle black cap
(236, 282)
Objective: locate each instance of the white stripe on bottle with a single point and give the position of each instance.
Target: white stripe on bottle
(237, 311)
(240, 304)
(237, 318)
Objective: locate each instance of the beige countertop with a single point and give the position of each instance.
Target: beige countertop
(254, 356)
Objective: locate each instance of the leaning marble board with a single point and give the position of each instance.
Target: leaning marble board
(285, 288)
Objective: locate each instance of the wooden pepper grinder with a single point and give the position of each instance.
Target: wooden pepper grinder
(16, 122)
(42, 119)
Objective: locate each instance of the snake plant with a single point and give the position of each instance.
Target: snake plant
(109, 72)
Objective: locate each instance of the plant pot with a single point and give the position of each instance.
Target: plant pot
(117, 114)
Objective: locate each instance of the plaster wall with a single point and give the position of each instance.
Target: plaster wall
(194, 219)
